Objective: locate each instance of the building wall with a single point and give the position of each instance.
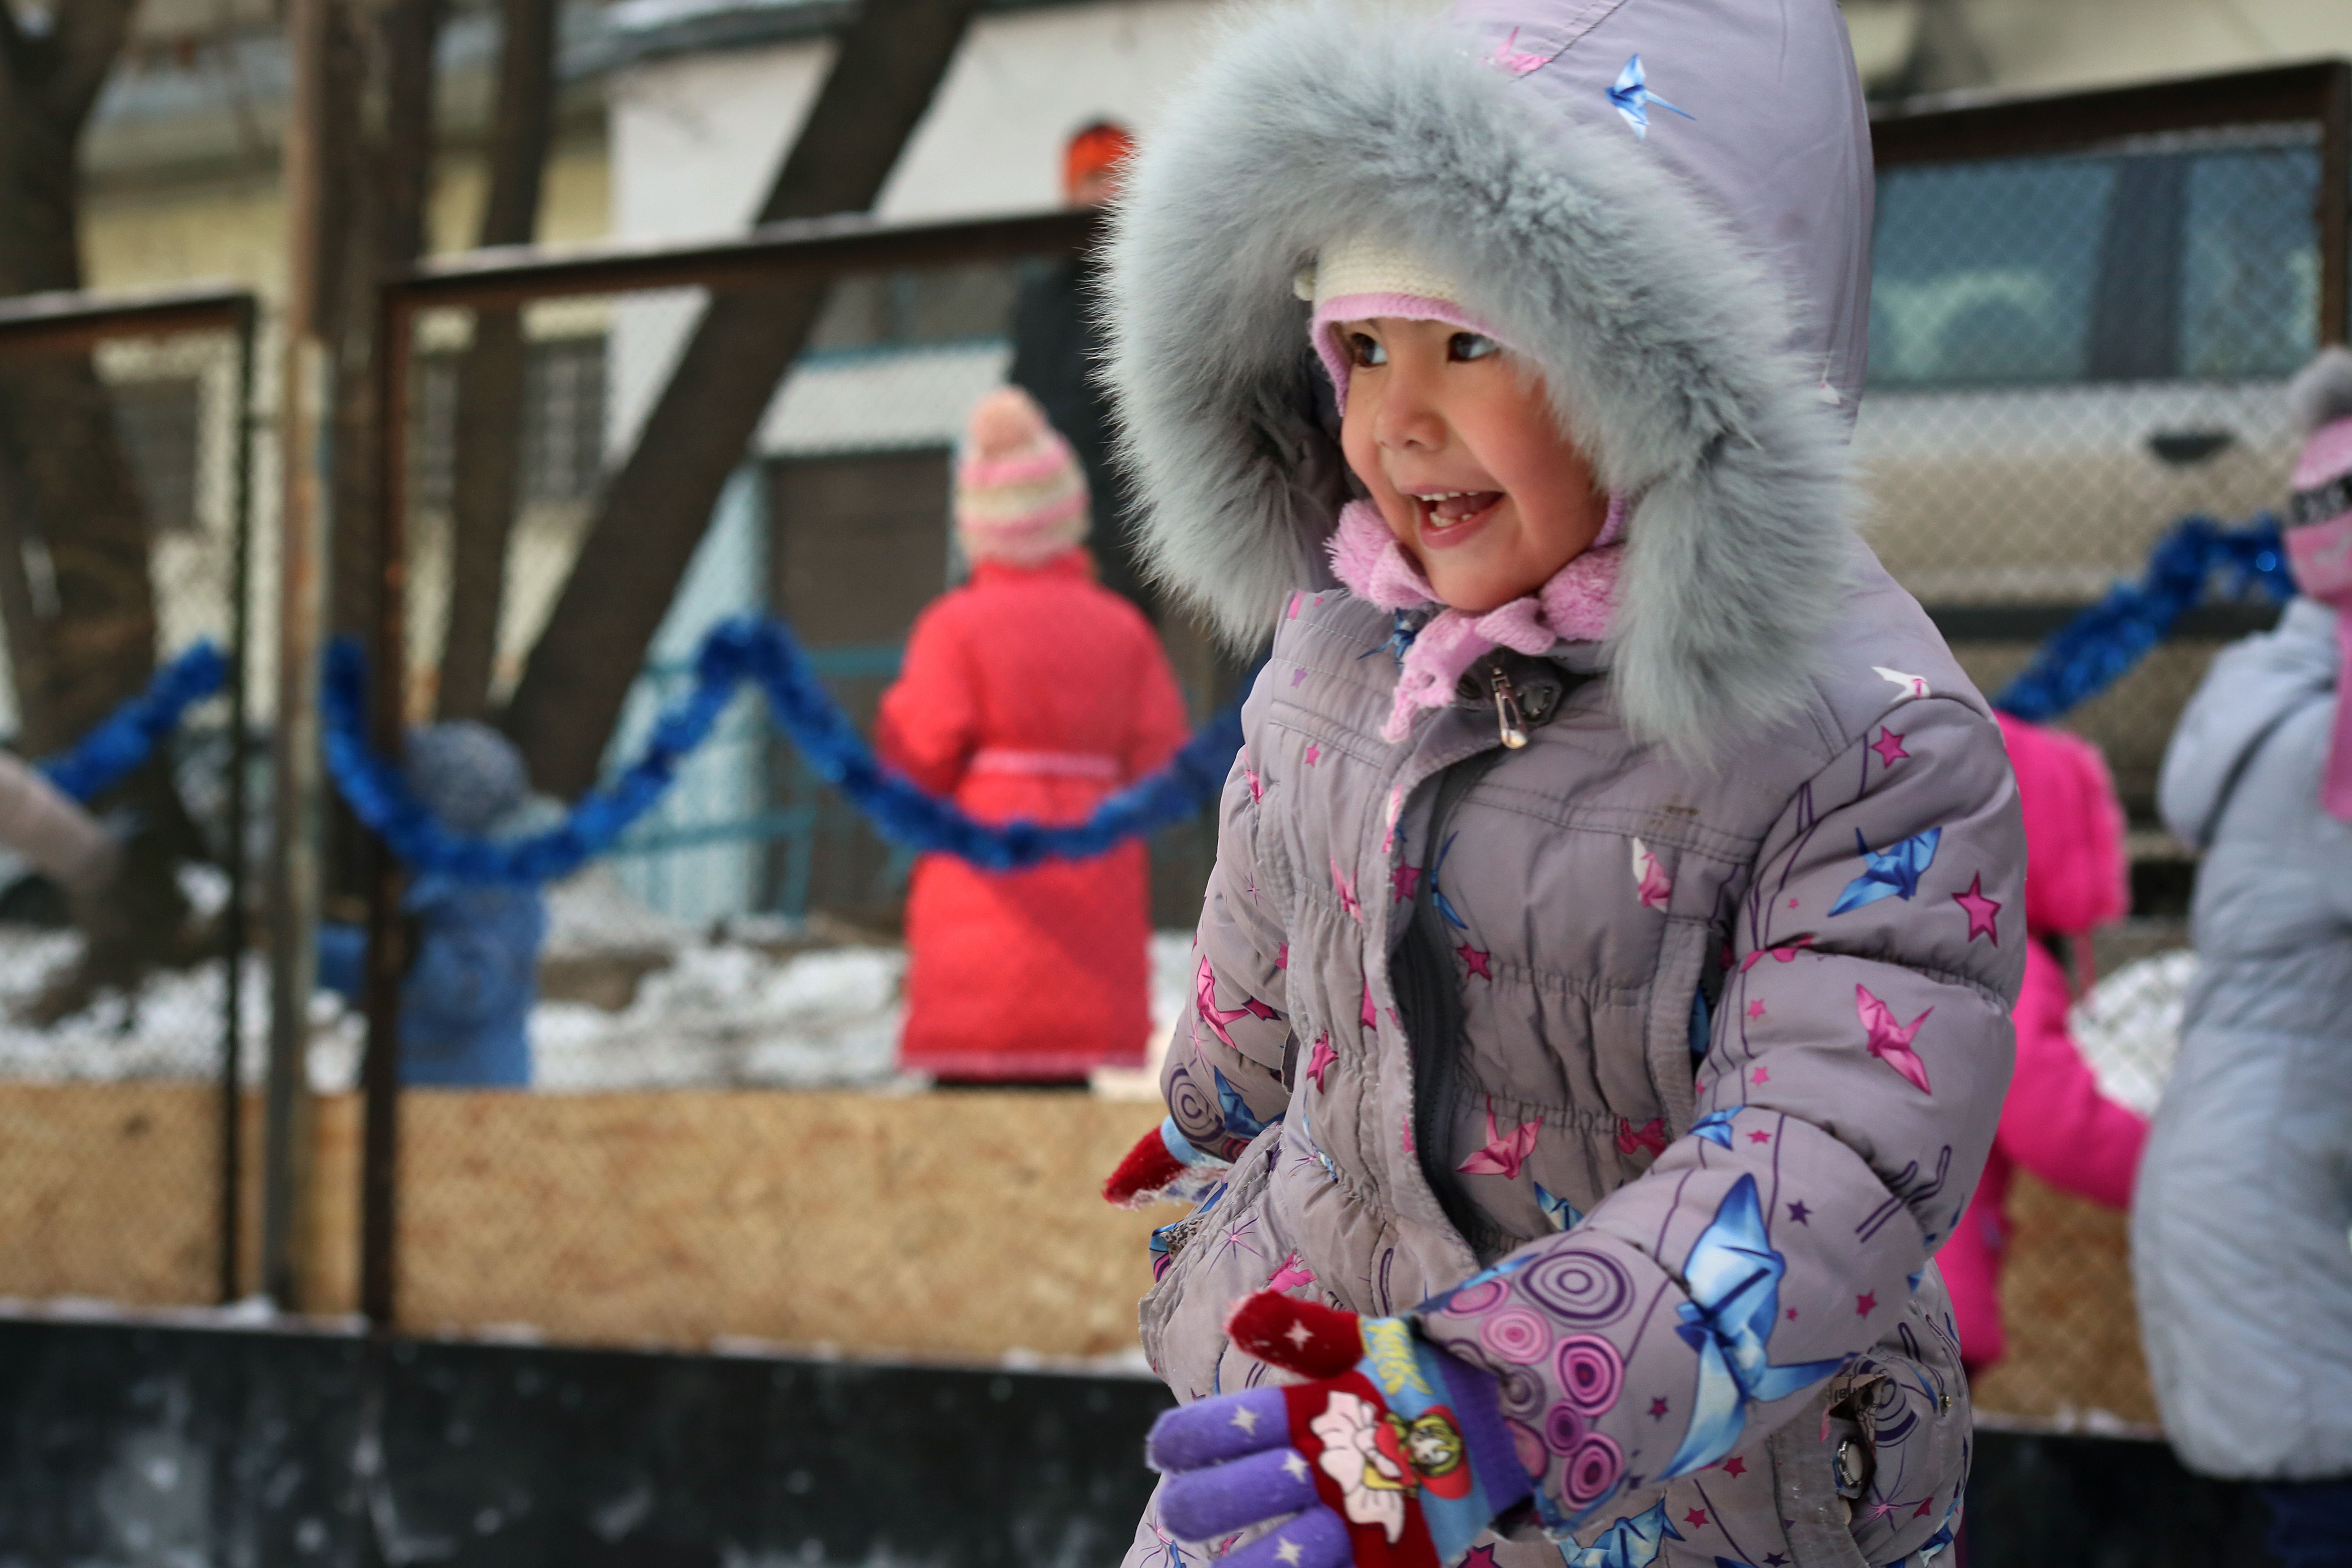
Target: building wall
(695, 138)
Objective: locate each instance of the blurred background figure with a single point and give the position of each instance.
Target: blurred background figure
(1054, 351)
(473, 974)
(2238, 1235)
(2056, 1122)
(1031, 692)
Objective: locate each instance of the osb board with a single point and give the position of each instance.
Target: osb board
(2066, 1302)
(960, 1225)
(110, 1191)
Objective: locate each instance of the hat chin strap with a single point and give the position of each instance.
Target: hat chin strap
(2321, 554)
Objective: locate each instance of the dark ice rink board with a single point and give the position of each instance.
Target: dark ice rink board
(134, 1444)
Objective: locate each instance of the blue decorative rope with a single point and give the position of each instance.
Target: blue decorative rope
(2082, 659)
(762, 650)
(2091, 652)
(124, 739)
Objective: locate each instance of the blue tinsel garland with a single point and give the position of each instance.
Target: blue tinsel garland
(2077, 663)
(764, 650)
(2091, 652)
(125, 737)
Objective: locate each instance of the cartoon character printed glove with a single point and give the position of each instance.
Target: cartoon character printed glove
(1392, 1455)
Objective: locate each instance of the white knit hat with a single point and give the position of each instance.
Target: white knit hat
(1360, 277)
(1020, 496)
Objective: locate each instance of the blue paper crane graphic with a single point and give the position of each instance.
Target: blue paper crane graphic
(1889, 873)
(1632, 97)
(1735, 1284)
(1633, 1543)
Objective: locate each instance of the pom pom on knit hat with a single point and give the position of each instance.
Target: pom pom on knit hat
(1020, 497)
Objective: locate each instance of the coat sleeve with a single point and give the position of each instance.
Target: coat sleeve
(928, 722)
(1859, 1049)
(1224, 1077)
(40, 822)
(2056, 1122)
(1158, 727)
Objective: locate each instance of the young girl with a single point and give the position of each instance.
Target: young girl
(1030, 976)
(1604, 983)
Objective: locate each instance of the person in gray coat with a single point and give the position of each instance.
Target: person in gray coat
(1601, 999)
(2244, 1201)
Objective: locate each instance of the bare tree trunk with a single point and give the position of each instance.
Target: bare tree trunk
(491, 377)
(69, 491)
(379, 159)
(657, 508)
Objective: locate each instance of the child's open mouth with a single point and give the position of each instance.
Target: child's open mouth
(1447, 516)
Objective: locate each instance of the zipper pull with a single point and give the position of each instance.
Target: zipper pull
(1507, 721)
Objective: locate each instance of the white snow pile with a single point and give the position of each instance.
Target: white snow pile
(2128, 1027)
(754, 1002)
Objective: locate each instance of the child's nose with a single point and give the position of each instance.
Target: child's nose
(1408, 417)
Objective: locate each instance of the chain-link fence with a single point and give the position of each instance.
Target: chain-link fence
(2085, 312)
(125, 540)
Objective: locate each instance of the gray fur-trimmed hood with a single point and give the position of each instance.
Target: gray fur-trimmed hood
(1695, 299)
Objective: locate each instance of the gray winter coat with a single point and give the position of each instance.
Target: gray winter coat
(1692, 1016)
(2245, 1198)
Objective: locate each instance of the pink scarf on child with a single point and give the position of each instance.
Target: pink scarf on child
(1575, 606)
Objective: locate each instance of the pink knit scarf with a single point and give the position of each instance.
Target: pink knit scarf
(1573, 606)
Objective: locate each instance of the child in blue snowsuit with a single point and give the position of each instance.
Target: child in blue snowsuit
(466, 1002)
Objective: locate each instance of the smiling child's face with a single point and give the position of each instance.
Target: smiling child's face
(1461, 452)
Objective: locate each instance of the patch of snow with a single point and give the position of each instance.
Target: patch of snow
(727, 1014)
(2129, 1027)
(743, 1007)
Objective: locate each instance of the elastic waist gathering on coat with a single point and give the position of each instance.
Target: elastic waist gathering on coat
(1051, 764)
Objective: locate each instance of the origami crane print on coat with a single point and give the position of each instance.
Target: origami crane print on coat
(1633, 1543)
(1889, 873)
(1735, 1282)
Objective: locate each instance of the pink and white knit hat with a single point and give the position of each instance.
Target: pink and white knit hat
(1358, 279)
(1020, 496)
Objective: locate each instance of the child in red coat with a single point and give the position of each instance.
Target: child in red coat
(2056, 1122)
(1030, 691)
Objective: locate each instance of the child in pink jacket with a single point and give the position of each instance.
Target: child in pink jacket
(2056, 1122)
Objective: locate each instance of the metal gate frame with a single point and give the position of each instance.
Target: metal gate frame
(84, 320)
(797, 250)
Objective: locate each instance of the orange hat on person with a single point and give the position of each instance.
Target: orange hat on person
(1096, 150)
(1020, 495)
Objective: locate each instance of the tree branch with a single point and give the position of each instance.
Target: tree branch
(86, 38)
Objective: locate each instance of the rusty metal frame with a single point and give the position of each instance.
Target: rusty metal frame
(766, 255)
(66, 323)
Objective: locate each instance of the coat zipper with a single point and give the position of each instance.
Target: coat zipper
(1508, 721)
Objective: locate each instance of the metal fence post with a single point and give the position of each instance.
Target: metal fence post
(2336, 206)
(386, 957)
(236, 929)
(295, 763)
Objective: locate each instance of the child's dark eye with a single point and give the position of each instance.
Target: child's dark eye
(1364, 351)
(1465, 346)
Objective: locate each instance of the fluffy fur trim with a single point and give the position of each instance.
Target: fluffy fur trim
(1655, 333)
(2322, 394)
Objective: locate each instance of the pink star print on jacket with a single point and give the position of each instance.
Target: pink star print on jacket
(1217, 1017)
(1505, 1152)
(1891, 1042)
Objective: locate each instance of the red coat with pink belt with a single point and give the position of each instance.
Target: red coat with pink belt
(2056, 1122)
(1029, 693)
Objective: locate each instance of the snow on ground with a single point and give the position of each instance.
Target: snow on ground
(758, 1001)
